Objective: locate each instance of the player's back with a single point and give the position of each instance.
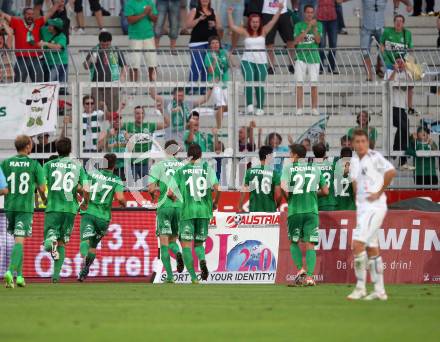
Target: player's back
(261, 182)
(195, 182)
(345, 196)
(22, 174)
(103, 185)
(63, 175)
(163, 172)
(327, 169)
(303, 181)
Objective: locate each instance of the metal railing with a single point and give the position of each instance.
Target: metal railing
(121, 80)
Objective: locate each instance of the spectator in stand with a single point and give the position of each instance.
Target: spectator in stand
(63, 15)
(106, 64)
(283, 24)
(341, 22)
(27, 34)
(43, 146)
(139, 126)
(54, 43)
(363, 122)
(418, 8)
(141, 16)
(326, 14)
(394, 43)
(217, 67)
(194, 136)
(275, 140)
(425, 172)
(92, 124)
(307, 144)
(254, 60)
(373, 22)
(204, 24)
(6, 37)
(307, 39)
(170, 9)
(96, 8)
(303, 4)
(400, 118)
(238, 9)
(179, 111)
(345, 141)
(246, 138)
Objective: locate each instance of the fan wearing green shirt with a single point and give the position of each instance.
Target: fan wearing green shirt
(327, 168)
(195, 184)
(263, 185)
(168, 211)
(363, 120)
(140, 169)
(307, 39)
(302, 182)
(104, 185)
(192, 135)
(65, 179)
(23, 175)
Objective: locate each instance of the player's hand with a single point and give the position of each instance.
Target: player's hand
(409, 8)
(280, 5)
(374, 196)
(312, 23)
(230, 10)
(147, 10)
(84, 206)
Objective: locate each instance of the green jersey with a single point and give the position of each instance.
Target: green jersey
(193, 184)
(55, 57)
(307, 51)
(425, 166)
(345, 196)
(302, 181)
(220, 72)
(63, 175)
(162, 173)
(327, 169)
(22, 174)
(396, 44)
(103, 185)
(144, 127)
(144, 28)
(262, 182)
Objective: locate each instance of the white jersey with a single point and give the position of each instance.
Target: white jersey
(368, 173)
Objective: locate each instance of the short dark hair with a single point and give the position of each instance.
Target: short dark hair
(346, 152)
(27, 9)
(178, 90)
(308, 6)
(111, 160)
(139, 107)
(359, 132)
(319, 150)
(273, 135)
(398, 16)
(171, 147)
(299, 150)
(423, 128)
(21, 142)
(210, 39)
(63, 146)
(344, 138)
(105, 36)
(264, 152)
(194, 113)
(194, 152)
(86, 97)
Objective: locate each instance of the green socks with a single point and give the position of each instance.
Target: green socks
(165, 257)
(189, 262)
(200, 252)
(295, 251)
(310, 261)
(174, 247)
(59, 263)
(16, 257)
(84, 248)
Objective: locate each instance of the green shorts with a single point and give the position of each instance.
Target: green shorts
(58, 226)
(19, 224)
(167, 221)
(328, 208)
(194, 229)
(304, 227)
(93, 229)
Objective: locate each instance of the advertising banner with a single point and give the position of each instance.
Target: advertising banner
(409, 244)
(241, 248)
(28, 108)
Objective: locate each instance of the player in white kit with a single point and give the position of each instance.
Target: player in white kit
(371, 174)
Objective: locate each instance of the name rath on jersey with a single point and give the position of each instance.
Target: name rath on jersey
(14, 163)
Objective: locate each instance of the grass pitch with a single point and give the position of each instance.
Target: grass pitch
(143, 312)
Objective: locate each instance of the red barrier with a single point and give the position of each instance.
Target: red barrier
(128, 250)
(409, 242)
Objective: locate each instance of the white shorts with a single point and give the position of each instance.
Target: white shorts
(137, 59)
(368, 222)
(302, 68)
(220, 96)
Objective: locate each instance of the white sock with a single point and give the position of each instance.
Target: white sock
(375, 266)
(360, 269)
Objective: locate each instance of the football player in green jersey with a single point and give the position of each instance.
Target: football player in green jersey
(263, 184)
(193, 185)
(103, 185)
(327, 168)
(65, 178)
(344, 187)
(23, 175)
(168, 211)
(300, 181)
